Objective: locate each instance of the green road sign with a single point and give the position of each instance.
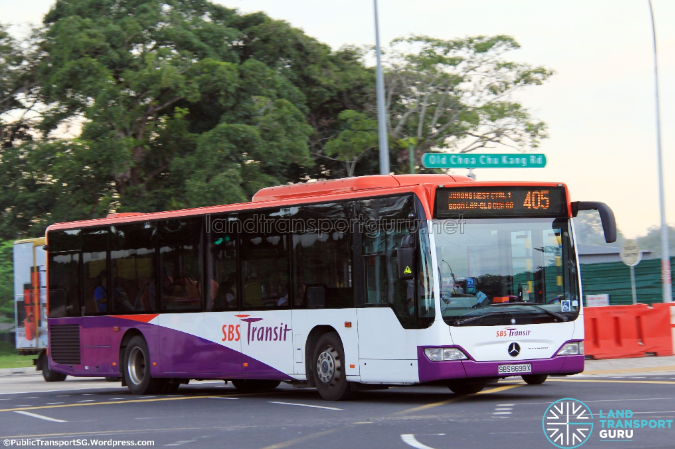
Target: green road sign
(471, 160)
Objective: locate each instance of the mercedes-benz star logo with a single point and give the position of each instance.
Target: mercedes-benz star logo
(514, 349)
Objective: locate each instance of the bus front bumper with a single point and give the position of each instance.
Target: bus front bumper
(461, 369)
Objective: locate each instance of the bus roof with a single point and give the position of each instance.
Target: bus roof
(303, 193)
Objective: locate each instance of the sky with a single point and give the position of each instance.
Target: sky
(599, 107)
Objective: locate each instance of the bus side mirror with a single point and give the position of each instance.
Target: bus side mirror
(406, 258)
(606, 215)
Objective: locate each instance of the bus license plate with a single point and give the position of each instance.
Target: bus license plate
(515, 369)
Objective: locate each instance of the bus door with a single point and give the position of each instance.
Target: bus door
(386, 322)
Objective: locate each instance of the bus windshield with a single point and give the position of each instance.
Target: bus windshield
(513, 271)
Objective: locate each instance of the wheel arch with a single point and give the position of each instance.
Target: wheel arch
(310, 345)
(128, 335)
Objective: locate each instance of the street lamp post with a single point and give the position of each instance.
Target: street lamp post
(665, 252)
(381, 118)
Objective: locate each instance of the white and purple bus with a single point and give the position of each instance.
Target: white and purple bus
(344, 285)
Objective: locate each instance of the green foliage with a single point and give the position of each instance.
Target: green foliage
(185, 103)
(456, 95)
(358, 135)
(6, 282)
(652, 240)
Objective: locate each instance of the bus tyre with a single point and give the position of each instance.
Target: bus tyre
(254, 385)
(535, 379)
(51, 376)
(329, 372)
(464, 387)
(137, 368)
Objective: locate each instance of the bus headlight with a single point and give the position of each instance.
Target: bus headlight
(576, 348)
(443, 354)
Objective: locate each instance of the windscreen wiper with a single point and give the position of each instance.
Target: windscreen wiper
(549, 312)
(474, 318)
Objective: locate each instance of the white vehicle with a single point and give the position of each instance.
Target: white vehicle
(344, 285)
(30, 303)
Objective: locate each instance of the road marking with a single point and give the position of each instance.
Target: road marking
(456, 399)
(300, 439)
(116, 399)
(306, 405)
(660, 382)
(55, 403)
(231, 399)
(34, 415)
(409, 439)
(172, 398)
(631, 370)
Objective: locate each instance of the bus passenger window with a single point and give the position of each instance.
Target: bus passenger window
(264, 262)
(180, 264)
(95, 267)
(132, 254)
(322, 256)
(64, 273)
(222, 292)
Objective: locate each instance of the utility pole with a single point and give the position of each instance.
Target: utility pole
(381, 117)
(665, 252)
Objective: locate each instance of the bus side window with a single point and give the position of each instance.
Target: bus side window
(180, 264)
(132, 254)
(95, 270)
(222, 286)
(264, 261)
(322, 256)
(64, 273)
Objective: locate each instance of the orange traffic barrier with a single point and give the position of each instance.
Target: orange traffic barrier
(616, 332)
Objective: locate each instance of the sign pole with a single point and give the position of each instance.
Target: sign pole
(665, 253)
(632, 283)
(381, 119)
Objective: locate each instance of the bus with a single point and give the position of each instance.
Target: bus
(344, 285)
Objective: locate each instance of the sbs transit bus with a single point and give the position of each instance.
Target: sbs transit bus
(344, 285)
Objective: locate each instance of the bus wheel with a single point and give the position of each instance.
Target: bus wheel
(49, 375)
(330, 377)
(253, 385)
(137, 368)
(535, 379)
(463, 387)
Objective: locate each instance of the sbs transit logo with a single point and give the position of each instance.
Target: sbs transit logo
(232, 332)
(568, 423)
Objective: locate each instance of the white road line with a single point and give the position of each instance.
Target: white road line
(46, 418)
(503, 409)
(87, 400)
(147, 397)
(306, 405)
(55, 403)
(29, 392)
(505, 405)
(230, 399)
(501, 413)
(116, 399)
(409, 439)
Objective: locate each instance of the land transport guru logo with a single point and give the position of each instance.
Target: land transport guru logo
(568, 423)
(232, 332)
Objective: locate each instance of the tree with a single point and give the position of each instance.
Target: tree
(358, 135)
(181, 103)
(6, 282)
(652, 240)
(18, 89)
(457, 95)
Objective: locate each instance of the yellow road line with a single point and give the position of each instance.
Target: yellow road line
(455, 399)
(632, 370)
(301, 439)
(661, 382)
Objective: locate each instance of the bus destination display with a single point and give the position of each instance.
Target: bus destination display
(486, 202)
